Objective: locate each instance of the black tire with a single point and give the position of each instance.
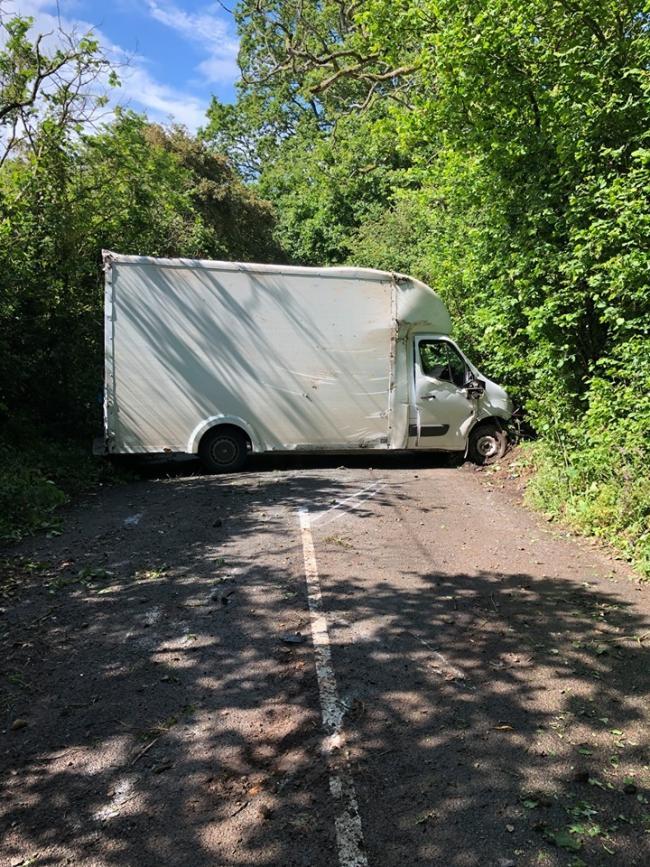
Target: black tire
(224, 450)
(487, 444)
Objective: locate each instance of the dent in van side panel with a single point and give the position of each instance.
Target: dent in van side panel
(419, 306)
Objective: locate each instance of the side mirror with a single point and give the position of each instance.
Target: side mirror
(475, 388)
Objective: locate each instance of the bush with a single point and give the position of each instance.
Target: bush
(38, 477)
(27, 497)
(595, 474)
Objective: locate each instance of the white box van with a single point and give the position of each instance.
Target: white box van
(222, 359)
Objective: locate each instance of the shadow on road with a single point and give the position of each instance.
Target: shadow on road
(181, 465)
(166, 723)
(492, 714)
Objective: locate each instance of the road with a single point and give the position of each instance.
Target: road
(389, 662)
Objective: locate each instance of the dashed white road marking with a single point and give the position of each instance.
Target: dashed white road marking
(349, 833)
(355, 500)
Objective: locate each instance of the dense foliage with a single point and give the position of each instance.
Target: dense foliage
(67, 190)
(132, 187)
(501, 152)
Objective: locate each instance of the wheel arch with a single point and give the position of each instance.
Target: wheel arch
(221, 421)
(499, 421)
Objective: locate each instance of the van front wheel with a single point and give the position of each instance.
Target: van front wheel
(223, 450)
(487, 444)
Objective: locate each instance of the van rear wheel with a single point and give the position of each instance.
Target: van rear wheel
(224, 450)
(487, 444)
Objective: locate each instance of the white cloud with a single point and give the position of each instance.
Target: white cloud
(207, 30)
(139, 89)
(160, 101)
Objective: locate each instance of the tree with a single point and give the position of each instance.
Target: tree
(45, 89)
(131, 186)
(508, 164)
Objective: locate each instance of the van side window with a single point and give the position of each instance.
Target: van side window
(441, 361)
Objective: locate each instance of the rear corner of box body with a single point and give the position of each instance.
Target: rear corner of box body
(109, 405)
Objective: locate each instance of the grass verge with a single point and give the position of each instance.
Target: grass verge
(607, 496)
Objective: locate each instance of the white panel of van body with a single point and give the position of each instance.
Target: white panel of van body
(300, 358)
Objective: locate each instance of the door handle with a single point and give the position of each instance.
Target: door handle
(429, 397)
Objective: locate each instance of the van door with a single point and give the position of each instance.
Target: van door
(442, 410)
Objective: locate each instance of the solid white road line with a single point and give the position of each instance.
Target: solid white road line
(349, 833)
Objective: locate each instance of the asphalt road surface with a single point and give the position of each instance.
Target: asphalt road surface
(382, 663)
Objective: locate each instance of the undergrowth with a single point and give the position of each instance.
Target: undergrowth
(593, 471)
(37, 478)
(597, 493)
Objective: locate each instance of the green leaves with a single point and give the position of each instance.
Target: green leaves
(43, 88)
(509, 169)
(134, 187)
(498, 151)
(565, 840)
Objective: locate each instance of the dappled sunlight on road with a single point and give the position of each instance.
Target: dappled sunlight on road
(167, 721)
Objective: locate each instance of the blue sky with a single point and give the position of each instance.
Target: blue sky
(173, 54)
